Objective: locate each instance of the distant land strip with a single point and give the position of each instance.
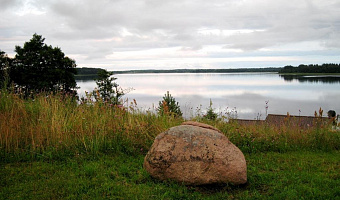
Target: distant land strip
(87, 72)
(269, 69)
(312, 68)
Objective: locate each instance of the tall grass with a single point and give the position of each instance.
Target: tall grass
(262, 137)
(53, 124)
(57, 123)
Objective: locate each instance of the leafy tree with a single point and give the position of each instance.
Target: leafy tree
(109, 91)
(39, 67)
(169, 106)
(5, 63)
(2, 60)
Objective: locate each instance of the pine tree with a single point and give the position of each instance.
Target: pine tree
(169, 106)
(108, 89)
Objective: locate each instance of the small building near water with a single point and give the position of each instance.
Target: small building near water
(291, 120)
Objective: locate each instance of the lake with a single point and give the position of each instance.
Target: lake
(241, 95)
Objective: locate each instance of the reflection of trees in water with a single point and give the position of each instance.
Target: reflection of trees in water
(312, 79)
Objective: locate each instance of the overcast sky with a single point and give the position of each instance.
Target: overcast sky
(163, 34)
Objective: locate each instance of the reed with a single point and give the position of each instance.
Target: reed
(264, 137)
(55, 124)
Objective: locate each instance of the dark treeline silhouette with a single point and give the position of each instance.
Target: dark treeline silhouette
(269, 69)
(87, 73)
(37, 67)
(324, 68)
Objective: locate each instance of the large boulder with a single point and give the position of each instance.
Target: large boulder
(195, 154)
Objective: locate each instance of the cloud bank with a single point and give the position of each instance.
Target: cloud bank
(120, 34)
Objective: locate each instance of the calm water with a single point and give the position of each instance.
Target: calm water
(243, 95)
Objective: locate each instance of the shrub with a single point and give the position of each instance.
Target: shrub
(211, 115)
(169, 106)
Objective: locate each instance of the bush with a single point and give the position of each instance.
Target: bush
(211, 115)
(169, 106)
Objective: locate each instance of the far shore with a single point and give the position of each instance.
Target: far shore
(86, 75)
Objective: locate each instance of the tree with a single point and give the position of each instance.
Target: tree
(108, 89)
(38, 67)
(5, 63)
(211, 115)
(169, 106)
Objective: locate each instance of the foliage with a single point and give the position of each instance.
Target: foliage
(5, 62)
(169, 106)
(51, 148)
(38, 67)
(324, 68)
(210, 115)
(55, 122)
(87, 70)
(109, 91)
(86, 73)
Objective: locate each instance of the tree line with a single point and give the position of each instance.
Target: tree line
(312, 68)
(88, 71)
(239, 70)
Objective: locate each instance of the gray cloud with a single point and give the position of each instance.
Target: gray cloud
(95, 29)
(7, 4)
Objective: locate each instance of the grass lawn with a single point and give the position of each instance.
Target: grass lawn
(51, 147)
(271, 175)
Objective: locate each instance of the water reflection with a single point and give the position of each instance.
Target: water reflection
(244, 93)
(331, 79)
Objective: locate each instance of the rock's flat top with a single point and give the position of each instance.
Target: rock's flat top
(188, 132)
(192, 123)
